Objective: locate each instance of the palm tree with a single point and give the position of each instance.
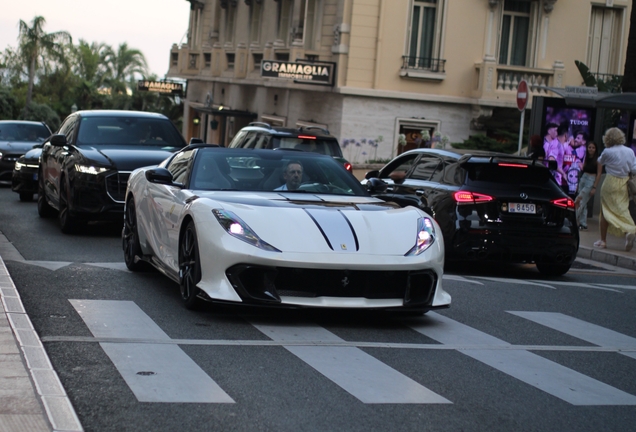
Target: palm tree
(35, 44)
(124, 65)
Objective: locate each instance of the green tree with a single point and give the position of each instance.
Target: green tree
(36, 45)
(40, 112)
(124, 65)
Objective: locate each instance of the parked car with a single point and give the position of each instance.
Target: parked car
(85, 166)
(203, 219)
(489, 206)
(260, 135)
(16, 138)
(25, 174)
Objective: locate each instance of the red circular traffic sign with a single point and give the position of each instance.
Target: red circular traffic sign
(522, 95)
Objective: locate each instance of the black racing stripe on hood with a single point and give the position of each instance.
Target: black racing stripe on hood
(353, 231)
(320, 228)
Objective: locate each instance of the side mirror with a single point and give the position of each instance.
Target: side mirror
(372, 174)
(376, 185)
(58, 140)
(159, 176)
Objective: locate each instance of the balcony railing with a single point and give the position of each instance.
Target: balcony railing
(424, 64)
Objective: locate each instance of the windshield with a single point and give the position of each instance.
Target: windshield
(23, 132)
(271, 170)
(328, 147)
(129, 131)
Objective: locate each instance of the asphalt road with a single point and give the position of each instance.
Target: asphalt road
(515, 351)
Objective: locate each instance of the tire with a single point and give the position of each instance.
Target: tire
(553, 269)
(26, 196)
(44, 209)
(189, 268)
(68, 223)
(130, 239)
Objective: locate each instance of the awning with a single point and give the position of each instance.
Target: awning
(598, 100)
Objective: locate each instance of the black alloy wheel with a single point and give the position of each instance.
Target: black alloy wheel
(189, 267)
(130, 239)
(553, 269)
(68, 223)
(44, 209)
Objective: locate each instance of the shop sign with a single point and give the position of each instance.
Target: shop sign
(160, 86)
(303, 73)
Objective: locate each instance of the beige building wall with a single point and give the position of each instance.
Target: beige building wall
(375, 93)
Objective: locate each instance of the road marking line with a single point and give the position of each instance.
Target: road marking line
(459, 279)
(154, 372)
(580, 329)
(360, 374)
(515, 281)
(546, 375)
(249, 343)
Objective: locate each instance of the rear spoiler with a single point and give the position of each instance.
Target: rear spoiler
(551, 164)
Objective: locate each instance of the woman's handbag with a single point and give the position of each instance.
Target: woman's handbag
(631, 186)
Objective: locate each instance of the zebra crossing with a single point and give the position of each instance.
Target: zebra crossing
(157, 370)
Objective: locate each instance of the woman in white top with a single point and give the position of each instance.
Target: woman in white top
(619, 162)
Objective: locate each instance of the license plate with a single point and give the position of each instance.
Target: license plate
(521, 208)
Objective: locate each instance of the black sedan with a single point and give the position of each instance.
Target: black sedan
(25, 174)
(490, 206)
(16, 138)
(84, 167)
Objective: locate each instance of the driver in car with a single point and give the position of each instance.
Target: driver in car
(293, 176)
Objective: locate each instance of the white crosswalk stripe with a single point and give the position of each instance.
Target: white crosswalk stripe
(583, 330)
(157, 370)
(154, 372)
(553, 378)
(360, 374)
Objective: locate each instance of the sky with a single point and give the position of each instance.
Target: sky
(151, 26)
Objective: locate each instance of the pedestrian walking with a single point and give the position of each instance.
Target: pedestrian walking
(587, 184)
(619, 161)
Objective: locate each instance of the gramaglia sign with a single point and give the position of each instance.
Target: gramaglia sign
(160, 86)
(311, 73)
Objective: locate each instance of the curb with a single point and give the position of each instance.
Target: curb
(58, 409)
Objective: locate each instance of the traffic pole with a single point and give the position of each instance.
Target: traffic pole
(522, 102)
(523, 112)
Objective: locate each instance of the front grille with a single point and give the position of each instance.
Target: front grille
(116, 186)
(269, 284)
(10, 157)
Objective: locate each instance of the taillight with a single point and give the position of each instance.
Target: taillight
(465, 197)
(348, 166)
(513, 165)
(566, 203)
(309, 137)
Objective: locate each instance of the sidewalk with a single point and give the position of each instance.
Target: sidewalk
(614, 254)
(32, 398)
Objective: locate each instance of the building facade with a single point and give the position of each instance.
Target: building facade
(378, 73)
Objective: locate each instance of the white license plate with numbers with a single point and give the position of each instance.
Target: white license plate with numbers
(522, 208)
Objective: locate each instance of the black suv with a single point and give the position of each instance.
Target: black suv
(85, 166)
(260, 135)
(490, 206)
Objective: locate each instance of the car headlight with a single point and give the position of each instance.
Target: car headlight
(239, 229)
(18, 166)
(90, 169)
(425, 236)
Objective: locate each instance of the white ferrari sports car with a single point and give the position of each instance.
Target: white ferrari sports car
(282, 228)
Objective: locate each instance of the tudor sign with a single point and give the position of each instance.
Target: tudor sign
(522, 95)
